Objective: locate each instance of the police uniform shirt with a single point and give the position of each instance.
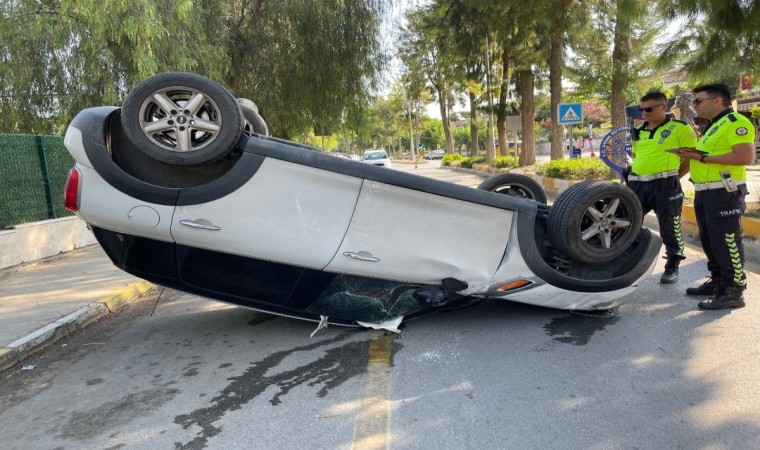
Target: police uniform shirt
(649, 146)
(723, 132)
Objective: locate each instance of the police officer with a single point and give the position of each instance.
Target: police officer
(655, 174)
(719, 173)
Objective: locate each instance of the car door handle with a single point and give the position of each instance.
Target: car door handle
(362, 256)
(201, 224)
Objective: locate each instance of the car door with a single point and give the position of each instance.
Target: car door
(285, 218)
(286, 213)
(407, 235)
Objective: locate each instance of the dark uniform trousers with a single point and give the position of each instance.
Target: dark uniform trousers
(665, 197)
(719, 215)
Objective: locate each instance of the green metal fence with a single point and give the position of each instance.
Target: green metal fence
(33, 172)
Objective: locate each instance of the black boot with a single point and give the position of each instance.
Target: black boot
(670, 275)
(728, 296)
(709, 287)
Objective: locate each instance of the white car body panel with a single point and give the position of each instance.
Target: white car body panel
(73, 143)
(554, 297)
(287, 213)
(547, 295)
(105, 206)
(419, 240)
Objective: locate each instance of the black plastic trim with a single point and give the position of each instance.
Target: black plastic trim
(156, 261)
(94, 123)
(239, 174)
(299, 154)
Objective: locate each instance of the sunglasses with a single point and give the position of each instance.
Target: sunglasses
(697, 101)
(650, 109)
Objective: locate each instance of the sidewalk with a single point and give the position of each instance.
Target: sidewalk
(43, 301)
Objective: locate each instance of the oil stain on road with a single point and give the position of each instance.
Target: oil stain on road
(577, 329)
(330, 370)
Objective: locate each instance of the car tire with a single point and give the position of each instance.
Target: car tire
(156, 123)
(515, 185)
(595, 221)
(253, 122)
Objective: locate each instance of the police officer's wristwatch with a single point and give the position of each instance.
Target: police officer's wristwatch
(702, 158)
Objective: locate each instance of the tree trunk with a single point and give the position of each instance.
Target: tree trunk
(501, 128)
(528, 112)
(474, 145)
(555, 88)
(621, 56)
(501, 123)
(443, 96)
(489, 91)
(417, 125)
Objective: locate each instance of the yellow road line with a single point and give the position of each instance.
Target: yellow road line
(373, 424)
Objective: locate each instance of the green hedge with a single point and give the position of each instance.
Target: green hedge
(448, 158)
(469, 161)
(576, 169)
(465, 161)
(501, 162)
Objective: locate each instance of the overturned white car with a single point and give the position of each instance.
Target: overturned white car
(183, 187)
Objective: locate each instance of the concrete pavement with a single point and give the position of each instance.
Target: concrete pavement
(43, 301)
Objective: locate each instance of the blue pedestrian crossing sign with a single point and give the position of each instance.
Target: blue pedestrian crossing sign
(570, 113)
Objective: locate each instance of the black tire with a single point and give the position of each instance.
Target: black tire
(515, 185)
(254, 123)
(134, 162)
(165, 132)
(595, 221)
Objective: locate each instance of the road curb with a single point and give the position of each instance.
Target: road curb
(32, 343)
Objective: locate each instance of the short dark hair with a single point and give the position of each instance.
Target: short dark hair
(654, 95)
(716, 90)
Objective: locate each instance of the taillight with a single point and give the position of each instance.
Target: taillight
(71, 191)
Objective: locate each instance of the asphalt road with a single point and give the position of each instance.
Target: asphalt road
(177, 371)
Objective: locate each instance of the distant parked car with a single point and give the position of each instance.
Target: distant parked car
(377, 158)
(437, 154)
